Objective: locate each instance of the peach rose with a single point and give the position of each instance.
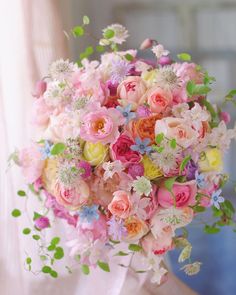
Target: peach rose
(183, 195)
(120, 205)
(136, 229)
(178, 129)
(131, 90)
(158, 99)
(160, 245)
(144, 127)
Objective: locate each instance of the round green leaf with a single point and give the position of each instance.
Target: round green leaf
(104, 266)
(53, 274)
(16, 213)
(58, 148)
(55, 241)
(85, 269)
(36, 237)
(100, 48)
(89, 50)
(28, 260)
(46, 269)
(108, 34)
(21, 193)
(78, 31)
(59, 253)
(135, 247)
(26, 231)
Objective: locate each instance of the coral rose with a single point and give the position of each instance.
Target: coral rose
(120, 205)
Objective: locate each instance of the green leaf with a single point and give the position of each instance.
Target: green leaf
(228, 208)
(108, 34)
(184, 56)
(211, 229)
(78, 31)
(46, 269)
(100, 48)
(16, 213)
(43, 257)
(51, 247)
(231, 93)
(129, 57)
(190, 88)
(53, 274)
(184, 163)
(36, 216)
(159, 138)
(158, 149)
(36, 237)
(216, 212)
(208, 79)
(135, 247)
(104, 266)
(85, 269)
(121, 253)
(140, 271)
(86, 20)
(58, 148)
(59, 253)
(21, 193)
(199, 209)
(26, 231)
(173, 143)
(201, 89)
(169, 183)
(28, 260)
(89, 50)
(114, 242)
(210, 108)
(55, 241)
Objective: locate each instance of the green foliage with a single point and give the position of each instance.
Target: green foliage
(59, 253)
(36, 216)
(26, 231)
(89, 50)
(196, 89)
(121, 253)
(51, 247)
(208, 79)
(135, 247)
(104, 266)
(55, 241)
(184, 163)
(28, 260)
(129, 57)
(53, 274)
(46, 269)
(78, 31)
(100, 48)
(108, 34)
(159, 138)
(173, 143)
(58, 148)
(85, 269)
(36, 237)
(199, 209)
(169, 183)
(16, 213)
(184, 56)
(211, 229)
(21, 193)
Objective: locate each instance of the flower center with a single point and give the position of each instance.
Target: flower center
(98, 125)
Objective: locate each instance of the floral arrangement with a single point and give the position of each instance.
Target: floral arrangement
(126, 151)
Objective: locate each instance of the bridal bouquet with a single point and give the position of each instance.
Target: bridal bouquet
(128, 151)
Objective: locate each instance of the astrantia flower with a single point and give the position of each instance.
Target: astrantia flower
(216, 198)
(74, 148)
(120, 33)
(192, 269)
(88, 213)
(116, 228)
(142, 186)
(79, 103)
(57, 93)
(126, 112)
(111, 168)
(67, 174)
(120, 69)
(46, 150)
(141, 146)
(159, 51)
(166, 77)
(61, 69)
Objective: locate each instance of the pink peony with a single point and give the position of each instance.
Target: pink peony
(31, 163)
(120, 205)
(131, 90)
(158, 99)
(121, 150)
(183, 193)
(101, 125)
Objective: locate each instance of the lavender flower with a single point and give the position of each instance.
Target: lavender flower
(116, 229)
(120, 69)
(191, 170)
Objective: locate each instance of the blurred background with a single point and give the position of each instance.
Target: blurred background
(32, 37)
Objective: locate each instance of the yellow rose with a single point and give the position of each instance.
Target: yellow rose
(136, 229)
(211, 160)
(49, 174)
(151, 171)
(149, 77)
(95, 153)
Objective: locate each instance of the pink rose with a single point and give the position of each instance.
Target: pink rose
(183, 193)
(160, 245)
(101, 125)
(31, 163)
(72, 198)
(121, 150)
(158, 99)
(120, 205)
(178, 129)
(131, 90)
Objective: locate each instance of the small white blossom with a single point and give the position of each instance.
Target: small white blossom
(159, 51)
(111, 168)
(57, 92)
(158, 275)
(142, 186)
(61, 69)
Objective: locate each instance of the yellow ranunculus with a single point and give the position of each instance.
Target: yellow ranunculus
(149, 77)
(151, 171)
(211, 160)
(95, 153)
(49, 174)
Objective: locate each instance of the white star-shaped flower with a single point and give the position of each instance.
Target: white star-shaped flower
(111, 168)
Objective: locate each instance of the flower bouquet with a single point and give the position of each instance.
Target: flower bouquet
(128, 152)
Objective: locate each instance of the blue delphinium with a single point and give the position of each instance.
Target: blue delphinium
(141, 146)
(46, 150)
(216, 198)
(89, 213)
(126, 112)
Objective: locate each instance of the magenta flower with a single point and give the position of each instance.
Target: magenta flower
(42, 222)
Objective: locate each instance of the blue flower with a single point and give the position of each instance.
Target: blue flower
(141, 146)
(126, 112)
(200, 180)
(216, 198)
(46, 150)
(89, 213)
